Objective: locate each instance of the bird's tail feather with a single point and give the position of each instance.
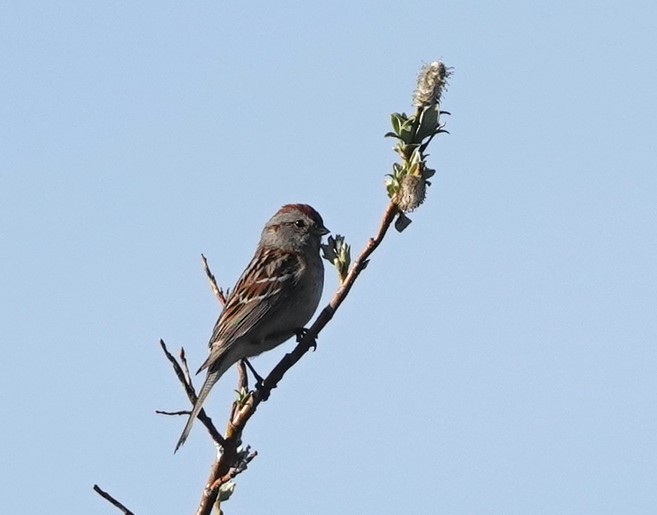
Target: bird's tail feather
(214, 373)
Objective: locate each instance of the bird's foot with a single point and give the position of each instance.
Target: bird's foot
(301, 333)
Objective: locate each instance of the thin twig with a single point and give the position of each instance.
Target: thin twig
(243, 378)
(185, 366)
(112, 501)
(172, 413)
(218, 292)
(191, 394)
(242, 386)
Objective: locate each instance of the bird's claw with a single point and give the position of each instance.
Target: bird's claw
(301, 333)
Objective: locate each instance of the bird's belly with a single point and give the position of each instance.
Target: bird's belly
(294, 317)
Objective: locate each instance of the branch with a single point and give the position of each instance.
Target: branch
(112, 501)
(223, 468)
(191, 394)
(223, 465)
(172, 413)
(185, 367)
(406, 188)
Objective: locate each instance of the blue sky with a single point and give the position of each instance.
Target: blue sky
(499, 356)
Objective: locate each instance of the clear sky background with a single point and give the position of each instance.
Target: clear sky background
(499, 356)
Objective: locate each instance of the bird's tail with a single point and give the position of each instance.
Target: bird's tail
(218, 368)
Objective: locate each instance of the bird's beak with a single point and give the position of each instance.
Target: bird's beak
(323, 231)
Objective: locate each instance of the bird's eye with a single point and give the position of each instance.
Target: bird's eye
(300, 224)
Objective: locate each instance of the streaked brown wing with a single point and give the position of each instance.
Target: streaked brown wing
(259, 291)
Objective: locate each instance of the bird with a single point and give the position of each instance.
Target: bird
(274, 298)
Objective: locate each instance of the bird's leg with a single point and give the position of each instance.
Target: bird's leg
(259, 380)
(301, 333)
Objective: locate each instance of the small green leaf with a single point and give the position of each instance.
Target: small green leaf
(428, 122)
(397, 120)
(406, 131)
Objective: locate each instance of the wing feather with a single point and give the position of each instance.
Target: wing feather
(276, 280)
